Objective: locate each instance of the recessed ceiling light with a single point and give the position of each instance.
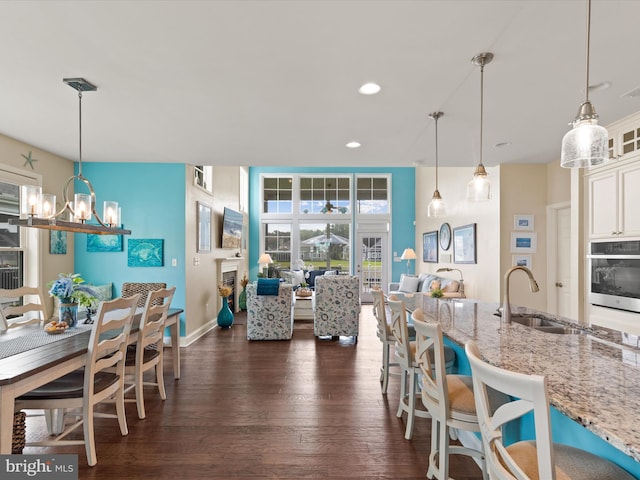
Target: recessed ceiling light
(502, 144)
(353, 145)
(369, 89)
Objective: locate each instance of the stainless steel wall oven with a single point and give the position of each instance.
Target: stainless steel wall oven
(615, 274)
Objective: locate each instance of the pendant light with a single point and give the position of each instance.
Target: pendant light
(585, 145)
(38, 210)
(436, 206)
(479, 188)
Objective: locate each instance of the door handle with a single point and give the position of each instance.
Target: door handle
(559, 284)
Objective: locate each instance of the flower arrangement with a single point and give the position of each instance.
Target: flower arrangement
(224, 290)
(437, 293)
(69, 289)
(244, 281)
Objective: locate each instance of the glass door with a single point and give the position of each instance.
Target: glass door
(371, 263)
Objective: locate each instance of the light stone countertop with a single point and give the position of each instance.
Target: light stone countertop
(592, 378)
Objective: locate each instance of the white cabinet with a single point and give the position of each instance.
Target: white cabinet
(614, 200)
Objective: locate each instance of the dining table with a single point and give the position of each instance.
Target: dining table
(30, 358)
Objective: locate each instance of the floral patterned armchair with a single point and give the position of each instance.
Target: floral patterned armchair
(270, 317)
(337, 306)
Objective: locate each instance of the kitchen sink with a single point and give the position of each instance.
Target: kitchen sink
(544, 324)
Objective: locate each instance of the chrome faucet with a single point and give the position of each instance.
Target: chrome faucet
(506, 305)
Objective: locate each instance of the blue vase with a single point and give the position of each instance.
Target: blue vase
(68, 313)
(225, 315)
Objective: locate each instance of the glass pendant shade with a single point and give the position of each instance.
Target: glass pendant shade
(479, 188)
(585, 145)
(30, 201)
(436, 207)
(82, 207)
(111, 213)
(48, 205)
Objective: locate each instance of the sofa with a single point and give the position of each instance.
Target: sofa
(296, 277)
(425, 283)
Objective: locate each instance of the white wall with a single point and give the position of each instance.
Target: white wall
(482, 280)
(54, 172)
(202, 296)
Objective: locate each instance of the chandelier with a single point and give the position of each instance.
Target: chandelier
(38, 210)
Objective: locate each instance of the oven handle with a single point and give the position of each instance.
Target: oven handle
(616, 257)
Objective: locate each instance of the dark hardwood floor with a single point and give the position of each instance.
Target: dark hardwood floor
(304, 408)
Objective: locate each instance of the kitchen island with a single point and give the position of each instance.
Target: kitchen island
(593, 374)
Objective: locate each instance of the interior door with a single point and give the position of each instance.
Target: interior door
(559, 271)
(371, 262)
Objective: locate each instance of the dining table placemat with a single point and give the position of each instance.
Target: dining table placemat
(34, 337)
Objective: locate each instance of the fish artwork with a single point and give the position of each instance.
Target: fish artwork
(145, 252)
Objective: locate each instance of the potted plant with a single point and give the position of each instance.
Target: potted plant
(71, 292)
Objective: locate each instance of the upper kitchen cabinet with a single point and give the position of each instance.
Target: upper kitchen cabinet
(614, 199)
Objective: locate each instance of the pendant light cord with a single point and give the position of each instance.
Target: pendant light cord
(586, 86)
(481, 107)
(80, 130)
(436, 118)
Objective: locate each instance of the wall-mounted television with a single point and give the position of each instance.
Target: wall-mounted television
(231, 229)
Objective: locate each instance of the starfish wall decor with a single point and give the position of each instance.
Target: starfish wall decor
(29, 160)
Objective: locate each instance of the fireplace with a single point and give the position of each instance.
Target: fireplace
(227, 274)
(229, 280)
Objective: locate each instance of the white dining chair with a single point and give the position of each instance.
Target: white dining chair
(147, 353)
(83, 389)
(21, 306)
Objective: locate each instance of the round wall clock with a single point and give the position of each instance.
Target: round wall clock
(445, 236)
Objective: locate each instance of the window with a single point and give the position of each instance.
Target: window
(311, 217)
(325, 195)
(277, 195)
(372, 195)
(203, 177)
(326, 245)
(277, 243)
(11, 255)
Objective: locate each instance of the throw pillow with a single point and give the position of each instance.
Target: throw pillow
(435, 285)
(408, 284)
(451, 286)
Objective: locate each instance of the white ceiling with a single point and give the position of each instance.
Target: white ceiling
(275, 82)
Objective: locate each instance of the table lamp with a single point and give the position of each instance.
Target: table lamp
(408, 255)
(265, 259)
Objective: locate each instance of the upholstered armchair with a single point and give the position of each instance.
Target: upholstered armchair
(337, 306)
(270, 317)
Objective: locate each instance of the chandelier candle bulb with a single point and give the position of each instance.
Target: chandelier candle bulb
(82, 207)
(48, 205)
(111, 213)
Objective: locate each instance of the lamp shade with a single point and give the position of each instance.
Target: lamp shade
(585, 145)
(479, 188)
(265, 258)
(409, 254)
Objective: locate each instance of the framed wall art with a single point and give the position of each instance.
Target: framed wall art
(430, 247)
(146, 252)
(464, 244)
(523, 222)
(521, 261)
(522, 242)
(57, 242)
(104, 243)
(204, 227)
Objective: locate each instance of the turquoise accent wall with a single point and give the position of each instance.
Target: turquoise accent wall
(403, 205)
(152, 199)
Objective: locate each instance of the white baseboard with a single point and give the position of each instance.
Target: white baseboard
(200, 332)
